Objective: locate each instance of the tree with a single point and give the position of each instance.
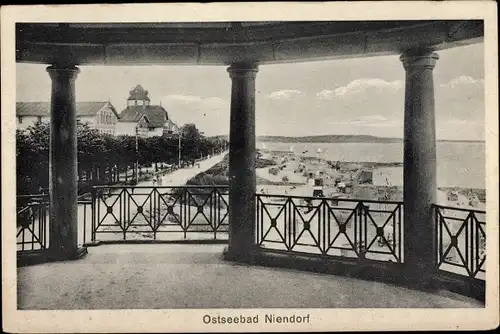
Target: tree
(32, 158)
(100, 156)
(191, 139)
(189, 131)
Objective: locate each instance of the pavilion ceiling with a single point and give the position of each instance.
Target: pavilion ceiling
(222, 43)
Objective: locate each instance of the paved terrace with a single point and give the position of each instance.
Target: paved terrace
(195, 276)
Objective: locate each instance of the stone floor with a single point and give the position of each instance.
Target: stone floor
(195, 276)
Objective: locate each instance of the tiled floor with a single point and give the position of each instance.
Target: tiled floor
(195, 276)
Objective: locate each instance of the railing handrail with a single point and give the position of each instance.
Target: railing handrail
(45, 195)
(31, 205)
(458, 208)
(161, 187)
(83, 196)
(333, 198)
(80, 200)
(31, 196)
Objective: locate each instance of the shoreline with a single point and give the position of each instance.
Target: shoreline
(298, 168)
(341, 163)
(287, 173)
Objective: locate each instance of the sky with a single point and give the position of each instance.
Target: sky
(351, 96)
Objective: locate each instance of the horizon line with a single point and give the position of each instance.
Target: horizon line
(351, 135)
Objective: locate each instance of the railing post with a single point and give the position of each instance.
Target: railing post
(94, 214)
(470, 242)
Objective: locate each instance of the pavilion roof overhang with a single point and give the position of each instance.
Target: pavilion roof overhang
(223, 43)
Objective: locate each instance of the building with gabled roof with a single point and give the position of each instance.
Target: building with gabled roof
(143, 118)
(100, 115)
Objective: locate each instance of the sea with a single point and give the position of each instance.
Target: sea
(459, 164)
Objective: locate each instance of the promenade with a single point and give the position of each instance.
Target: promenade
(178, 177)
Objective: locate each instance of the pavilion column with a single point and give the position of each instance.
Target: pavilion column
(63, 184)
(419, 167)
(242, 159)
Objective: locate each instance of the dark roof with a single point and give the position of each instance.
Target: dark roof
(43, 108)
(155, 114)
(138, 93)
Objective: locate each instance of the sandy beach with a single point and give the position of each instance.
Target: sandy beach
(294, 175)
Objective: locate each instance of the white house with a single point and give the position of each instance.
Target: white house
(142, 117)
(98, 115)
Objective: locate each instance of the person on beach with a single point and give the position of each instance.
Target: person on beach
(318, 188)
(309, 204)
(154, 180)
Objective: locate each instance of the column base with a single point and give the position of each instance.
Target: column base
(420, 278)
(70, 256)
(240, 255)
(28, 258)
(92, 243)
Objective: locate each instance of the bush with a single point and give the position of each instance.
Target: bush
(263, 163)
(221, 180)
(273, 171)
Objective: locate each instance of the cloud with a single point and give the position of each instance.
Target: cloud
(369, 121)
(326, 94)
(359, 86)
(214, 102)
(284, 94)
(472, 122)
(207, 102)
(182, 98)
(372, 118)
(210, 114)
(463, 81)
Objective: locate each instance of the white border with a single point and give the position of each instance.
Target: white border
(186, 320)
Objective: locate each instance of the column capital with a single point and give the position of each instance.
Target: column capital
(419, 59)
(243, 70)
(57, 71)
